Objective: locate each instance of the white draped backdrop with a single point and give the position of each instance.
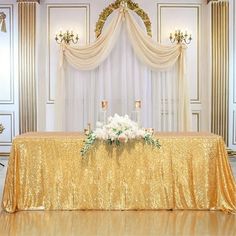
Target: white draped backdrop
(122, 66)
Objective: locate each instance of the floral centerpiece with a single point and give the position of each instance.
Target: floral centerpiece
(118, 130)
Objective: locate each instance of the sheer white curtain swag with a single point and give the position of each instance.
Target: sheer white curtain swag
(154, 55)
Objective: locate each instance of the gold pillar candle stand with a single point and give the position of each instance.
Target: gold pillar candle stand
(88, 129)
(104, 105)
(136, 114)
(103, 112)
(137, 104)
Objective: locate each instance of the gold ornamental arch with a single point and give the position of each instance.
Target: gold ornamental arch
(132, 6)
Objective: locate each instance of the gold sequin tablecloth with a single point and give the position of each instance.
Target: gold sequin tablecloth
(190, 171)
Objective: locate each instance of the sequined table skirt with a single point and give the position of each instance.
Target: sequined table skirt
(189, 171)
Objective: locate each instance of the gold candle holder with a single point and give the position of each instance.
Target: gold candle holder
(88, 129)
(137, 104)
(104, 105)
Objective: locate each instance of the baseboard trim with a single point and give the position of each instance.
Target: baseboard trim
(4, 155)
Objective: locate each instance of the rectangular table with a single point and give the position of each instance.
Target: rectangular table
(189, 171)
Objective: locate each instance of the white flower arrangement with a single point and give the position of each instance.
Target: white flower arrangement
(119, 129)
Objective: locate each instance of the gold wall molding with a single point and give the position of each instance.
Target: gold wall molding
(220, 69)
(160, 7)
(8, 9)
(86, 7)
(27, 74)
(195, 113)
(113, 6)
(198, 115)
(4, 154)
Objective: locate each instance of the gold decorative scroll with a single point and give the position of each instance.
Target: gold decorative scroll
(1, 128)
(3, 21)
(132, 6)
(27, 77)
(220, 68)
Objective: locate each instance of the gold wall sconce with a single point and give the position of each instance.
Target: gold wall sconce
(180, 37)
(3, 22)
(67, 37)
(1, 128)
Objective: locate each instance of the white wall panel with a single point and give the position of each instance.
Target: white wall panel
(64, 17)
(232, 78)
(188, 16)
(6, 59)
(8, 77)
(183, 17)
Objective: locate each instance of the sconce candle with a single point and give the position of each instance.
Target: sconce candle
(136, 114)
(88, 129)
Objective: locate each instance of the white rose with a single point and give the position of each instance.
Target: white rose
(99, 124)
(99, 133)
(141, 133)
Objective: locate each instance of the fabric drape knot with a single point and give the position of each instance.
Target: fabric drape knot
(61, 57)
(183, 46)
(62, 47)
(123, 10)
